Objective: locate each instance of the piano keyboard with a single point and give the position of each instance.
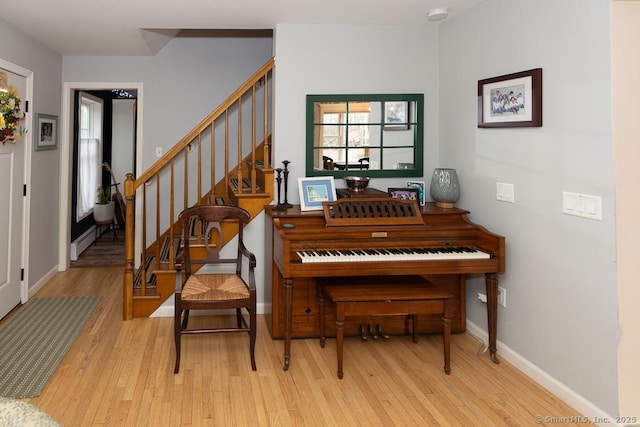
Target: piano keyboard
(390, 254)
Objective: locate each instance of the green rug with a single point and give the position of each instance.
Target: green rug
(36, 339)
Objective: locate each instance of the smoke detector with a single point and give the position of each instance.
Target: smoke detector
(437, 14)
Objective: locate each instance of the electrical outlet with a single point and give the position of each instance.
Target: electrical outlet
(502, 296)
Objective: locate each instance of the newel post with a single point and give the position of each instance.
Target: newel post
(129, 246)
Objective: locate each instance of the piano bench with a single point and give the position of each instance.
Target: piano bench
(384, 296)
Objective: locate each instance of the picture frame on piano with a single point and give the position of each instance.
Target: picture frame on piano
(404, 193)
(419, 186)
(314, 191)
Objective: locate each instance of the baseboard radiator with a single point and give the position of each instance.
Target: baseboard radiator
(81, 243)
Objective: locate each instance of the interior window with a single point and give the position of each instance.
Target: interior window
(372, 135)
(89, 153)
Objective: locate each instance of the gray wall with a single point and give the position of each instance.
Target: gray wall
(338, 59)
(561, 312)
(45, 169)
(183, 83)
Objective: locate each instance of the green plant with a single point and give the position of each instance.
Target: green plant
(103, 195)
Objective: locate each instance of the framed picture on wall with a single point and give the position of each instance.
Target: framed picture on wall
(46, 134)
(512, 100)
(396, 115)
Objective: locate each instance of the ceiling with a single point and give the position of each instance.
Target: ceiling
(143, 27)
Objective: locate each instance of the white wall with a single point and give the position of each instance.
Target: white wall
(44, 190)
(561, 313)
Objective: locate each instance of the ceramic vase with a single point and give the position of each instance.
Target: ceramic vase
(445, 189)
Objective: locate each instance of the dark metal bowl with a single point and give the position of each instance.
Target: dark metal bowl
(357, 183)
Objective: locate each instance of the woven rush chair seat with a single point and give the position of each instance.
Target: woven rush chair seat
(214, 287)
(208, 281)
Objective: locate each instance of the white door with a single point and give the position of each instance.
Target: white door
(12, 163)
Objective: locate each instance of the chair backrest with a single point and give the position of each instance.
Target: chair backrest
(327, 163)
(207, 222)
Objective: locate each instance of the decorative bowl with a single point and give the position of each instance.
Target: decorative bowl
(357, 183)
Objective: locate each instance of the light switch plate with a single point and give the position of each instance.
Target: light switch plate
(505, 192)
(582, 205)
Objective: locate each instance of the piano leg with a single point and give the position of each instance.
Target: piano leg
(288, 303)
(491, 283)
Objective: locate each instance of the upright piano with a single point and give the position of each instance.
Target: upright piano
(374, 237)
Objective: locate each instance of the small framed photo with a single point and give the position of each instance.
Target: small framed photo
(419, 186)
(46, 135)
(316, 190)
(396, 115)
(512, 100)
(404, 193)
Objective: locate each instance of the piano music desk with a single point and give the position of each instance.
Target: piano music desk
(384, 296)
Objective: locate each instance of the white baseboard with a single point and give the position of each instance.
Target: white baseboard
(560, 390)
(168, 308)
(40, 283)
(81, 243)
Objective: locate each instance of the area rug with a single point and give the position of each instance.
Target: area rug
(36, 339)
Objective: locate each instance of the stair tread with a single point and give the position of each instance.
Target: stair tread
(246, 184)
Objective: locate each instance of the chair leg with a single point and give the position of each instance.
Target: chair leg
(177, 336)
(252, 336)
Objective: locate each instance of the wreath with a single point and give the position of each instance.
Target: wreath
(10, 115)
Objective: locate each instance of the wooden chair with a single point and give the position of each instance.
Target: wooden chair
(327, 163)
(214, 287)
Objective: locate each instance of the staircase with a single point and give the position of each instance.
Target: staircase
(225, 159)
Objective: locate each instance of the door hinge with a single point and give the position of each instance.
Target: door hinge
(24, 190)
(22, 274)
(26, 106)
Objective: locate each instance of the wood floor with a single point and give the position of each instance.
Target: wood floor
(121, 374)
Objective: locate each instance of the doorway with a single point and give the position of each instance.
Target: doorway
(119, 98)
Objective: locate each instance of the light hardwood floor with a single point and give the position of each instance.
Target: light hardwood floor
(121, 374)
